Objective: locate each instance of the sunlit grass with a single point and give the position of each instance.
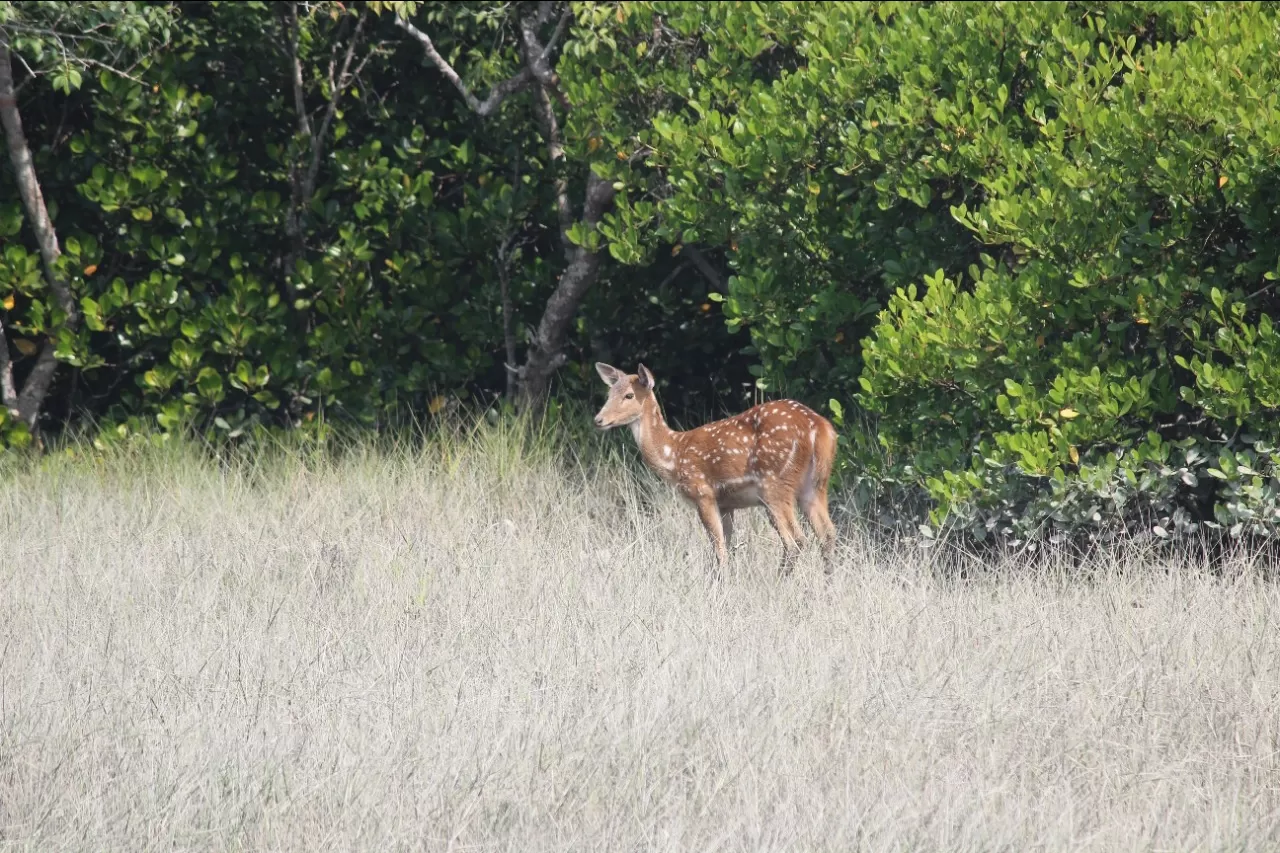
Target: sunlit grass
(492, 638)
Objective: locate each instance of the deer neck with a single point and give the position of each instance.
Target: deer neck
(659, 443)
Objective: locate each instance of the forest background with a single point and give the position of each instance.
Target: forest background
(1023, 255)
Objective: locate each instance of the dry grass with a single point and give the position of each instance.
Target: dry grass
(486, 650)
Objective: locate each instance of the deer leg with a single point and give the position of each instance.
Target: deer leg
(709, 512)
(788, 514)
(726, 525)
(782, 515)
(814, 506)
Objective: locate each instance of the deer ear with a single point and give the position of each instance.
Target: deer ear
(646, 378)
(610, 375)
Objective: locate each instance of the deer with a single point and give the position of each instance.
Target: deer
(767, 456)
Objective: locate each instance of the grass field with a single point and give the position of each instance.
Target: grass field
(483, 648)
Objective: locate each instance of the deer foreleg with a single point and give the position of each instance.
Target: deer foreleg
(709, 512)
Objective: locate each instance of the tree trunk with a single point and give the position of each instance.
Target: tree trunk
(508, 316)
(8, 393)
(36, 387)
(546, 354)
(582, 267)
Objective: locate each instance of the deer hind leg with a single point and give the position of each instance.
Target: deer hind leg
(726, 526)
(709, 512)
(780, 504)
(813, 493)
(813, 503)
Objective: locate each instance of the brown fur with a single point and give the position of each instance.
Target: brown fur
(770, 456)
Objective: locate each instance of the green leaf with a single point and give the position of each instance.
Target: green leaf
(209, 384)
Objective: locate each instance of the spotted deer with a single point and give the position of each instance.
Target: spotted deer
(768, 456)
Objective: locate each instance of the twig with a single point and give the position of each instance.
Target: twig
(704, 266)
(497, 94)
(561, 27)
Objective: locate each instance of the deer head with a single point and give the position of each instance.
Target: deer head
(628, 395)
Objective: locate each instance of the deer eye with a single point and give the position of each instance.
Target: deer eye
(631, 396)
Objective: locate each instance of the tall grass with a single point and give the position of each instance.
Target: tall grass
(488, 640)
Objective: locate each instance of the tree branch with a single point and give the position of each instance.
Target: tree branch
(31, 75)
(555, 150)
(336, 88)
(303, 186)
(561, 27)
(671, 276)
(497, 94)
(8, 393)
(710, 273)
(508, 312)
(600, 193)
(36, 386)
(545, 352)
(536, 63)
(535, 55)
(29, 187)
(293, 37)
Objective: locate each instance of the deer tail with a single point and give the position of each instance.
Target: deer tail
(824, 454)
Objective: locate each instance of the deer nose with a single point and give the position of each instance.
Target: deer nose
(599, 420)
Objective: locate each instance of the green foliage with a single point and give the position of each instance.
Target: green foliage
(1109, 360)
(779, 155)
(174, 202)
(1102, 173)
(1023, 254)
(177, 181)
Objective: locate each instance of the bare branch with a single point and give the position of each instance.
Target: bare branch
(535, 61)
(533, 52)
(555, 150)
(535, 55)
(292, 39)
(333, 52)
(671, 276)
(336, 88)
(497, 95)
(704, 266)
(304, 186)
(31, 75)
(93, 63)
(355, 73)
(561, 27)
